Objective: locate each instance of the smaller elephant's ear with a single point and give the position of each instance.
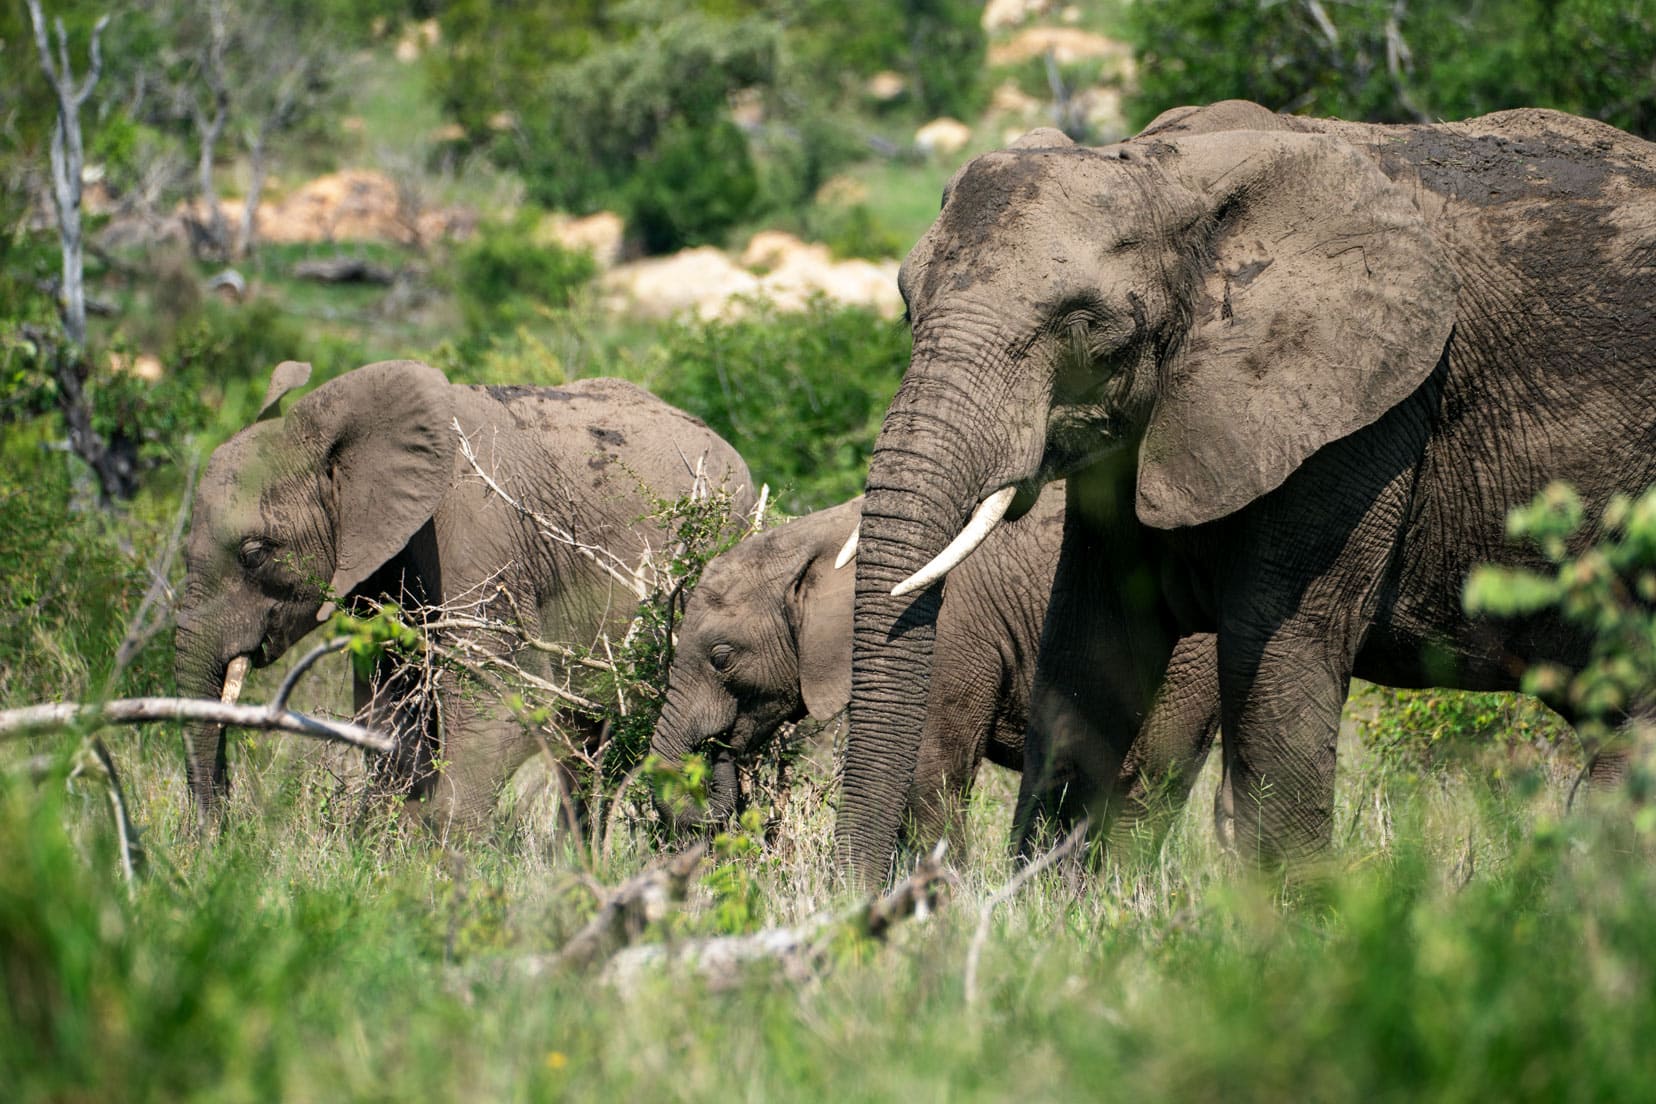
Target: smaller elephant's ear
(384, 434)
(819, 609)
(288, 375)
(1318, 299)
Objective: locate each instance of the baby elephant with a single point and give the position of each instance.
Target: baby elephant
(766, 639)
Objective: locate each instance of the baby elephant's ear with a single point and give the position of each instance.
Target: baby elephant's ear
(288, 375)
(1318, 299)
(819, 610)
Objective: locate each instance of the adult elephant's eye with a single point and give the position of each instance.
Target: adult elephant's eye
(253, 553)
(721, 656)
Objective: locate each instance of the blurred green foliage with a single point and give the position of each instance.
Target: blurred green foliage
(1607, 590)
(1382, 61)
(629, 106)
(504, 277)
(800, 395)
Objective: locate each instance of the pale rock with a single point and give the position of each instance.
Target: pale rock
(747, 109)
(1009, 99)
(886, 86)
(1067, 45)
(943, 136)
(998, 15)
(769, 249)
(350, 205)
(145, 366)
(603, 235)
(701, 280)
(1102, 109)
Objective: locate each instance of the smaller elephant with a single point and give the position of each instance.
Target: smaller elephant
(766, 639)
(519, 512)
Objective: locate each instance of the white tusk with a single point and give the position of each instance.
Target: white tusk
(849, 550)
(234, 676)
(982, 523)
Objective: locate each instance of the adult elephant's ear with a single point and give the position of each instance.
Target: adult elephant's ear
(1318, 299)
(383, 432)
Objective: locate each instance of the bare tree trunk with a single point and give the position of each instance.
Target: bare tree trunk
(257, 166)
(209, 121)
(68, 157)
(115, 473)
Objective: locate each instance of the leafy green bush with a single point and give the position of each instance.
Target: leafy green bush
(641, 113)
(68, 591)
(800, 395)
(503, 277)
(1458, 59)
(693, 186)
(1419, 731)
(853, 231)
(1608, 590)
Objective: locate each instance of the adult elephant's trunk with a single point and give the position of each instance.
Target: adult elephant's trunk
(928, 476)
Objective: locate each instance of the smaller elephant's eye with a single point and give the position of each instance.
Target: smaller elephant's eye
(254, 553)
(721, 656)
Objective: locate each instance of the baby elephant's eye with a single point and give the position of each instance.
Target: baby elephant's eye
(720, 656)
(254, 553)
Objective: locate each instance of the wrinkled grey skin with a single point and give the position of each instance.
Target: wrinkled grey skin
(363, 486)
(1297, 372)
(766, 639)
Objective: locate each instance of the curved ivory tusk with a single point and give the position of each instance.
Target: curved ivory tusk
(849, 550)
(234, 676)
(982, 523)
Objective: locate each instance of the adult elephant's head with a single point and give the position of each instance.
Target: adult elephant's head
(292, 515)
(766, 639)
(1225, 303)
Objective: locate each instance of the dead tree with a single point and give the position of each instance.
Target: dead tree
(115, 471)
(68, 157)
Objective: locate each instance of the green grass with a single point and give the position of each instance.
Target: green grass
(1469, 942)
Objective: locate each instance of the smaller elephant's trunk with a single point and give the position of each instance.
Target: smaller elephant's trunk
(672, 743)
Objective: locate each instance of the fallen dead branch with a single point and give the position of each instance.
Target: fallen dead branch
(642, 900)
(799, 952)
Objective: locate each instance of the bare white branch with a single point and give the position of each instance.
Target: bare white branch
(37, 718)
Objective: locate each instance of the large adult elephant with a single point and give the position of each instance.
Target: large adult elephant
(364, 489)
(1297, 373)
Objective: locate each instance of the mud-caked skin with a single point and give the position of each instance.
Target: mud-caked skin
(1297, 372)
(364, 489)
(766, 639)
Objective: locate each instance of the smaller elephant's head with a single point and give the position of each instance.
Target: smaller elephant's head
(765, 640)
(294, 514)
